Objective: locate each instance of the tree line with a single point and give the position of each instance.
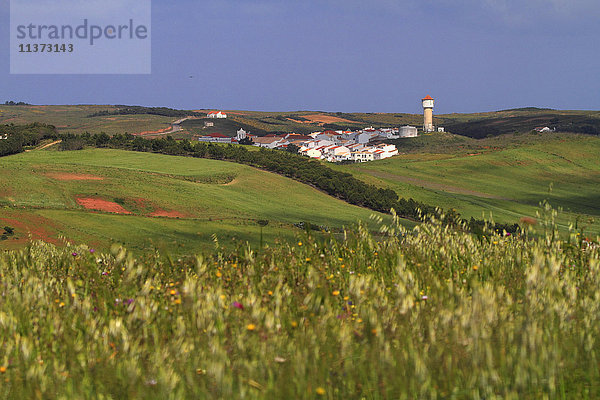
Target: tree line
(134, 110)
(13, 138)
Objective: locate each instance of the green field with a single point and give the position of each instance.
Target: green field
(202, 198)
(508, 179)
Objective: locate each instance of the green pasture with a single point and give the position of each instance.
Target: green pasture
(209, 197)
(507, 182)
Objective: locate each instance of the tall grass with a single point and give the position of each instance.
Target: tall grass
(429, 313)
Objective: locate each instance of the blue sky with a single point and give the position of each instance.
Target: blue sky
(347, 55)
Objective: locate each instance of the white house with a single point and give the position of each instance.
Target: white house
(216, 114)
(312, 153)
(362, 156)
(364, 137)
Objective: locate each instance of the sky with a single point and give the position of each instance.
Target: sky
(346, 55)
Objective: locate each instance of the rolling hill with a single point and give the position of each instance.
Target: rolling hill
(507, 176)
(99, 196)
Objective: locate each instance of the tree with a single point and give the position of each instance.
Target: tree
(292, 148)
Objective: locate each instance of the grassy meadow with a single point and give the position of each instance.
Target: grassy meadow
(166, 202)
(505, 176)
(429, 313)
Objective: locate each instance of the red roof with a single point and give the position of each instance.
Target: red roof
(428, 97)
(217, 135)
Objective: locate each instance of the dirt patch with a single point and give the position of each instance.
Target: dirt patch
(528, 221)
(65, 176)
(29, 227)
(101, 205)
(167, 214)
(326, 119)
(232, 182)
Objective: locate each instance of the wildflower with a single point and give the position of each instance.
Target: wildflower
(219, 274)
(177, 301)
(424, 297)
(74, 254)
(104, 273)
(320, 391)
(62, 304)
(280, 360)
(307, 259)
(92, 251)
(251, 327)
(2, 369)
(336, 293)
(299, 243)
(238, 305)
(294, 324)
(173, 292)
(475, 267)
(200, 371)
(270, 293)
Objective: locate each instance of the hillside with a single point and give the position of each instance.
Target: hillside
(507, 176)
(154, 200)
(81, 118)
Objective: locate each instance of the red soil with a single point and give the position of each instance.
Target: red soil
(74, 177)
(327, 119)
(528, 221)
(102, 205)
(164, 130)
(29, 225)
(165, 213)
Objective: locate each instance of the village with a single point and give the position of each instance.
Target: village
(363, 145)
(334, 146)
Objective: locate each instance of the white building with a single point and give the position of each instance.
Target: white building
(363, 156)
(241, 134)
(216, 138)
(408, 131)
(309, 152)
(216, 114)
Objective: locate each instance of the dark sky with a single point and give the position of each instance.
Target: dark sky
(347, 55)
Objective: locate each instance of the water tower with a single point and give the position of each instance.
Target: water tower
(428, 114)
